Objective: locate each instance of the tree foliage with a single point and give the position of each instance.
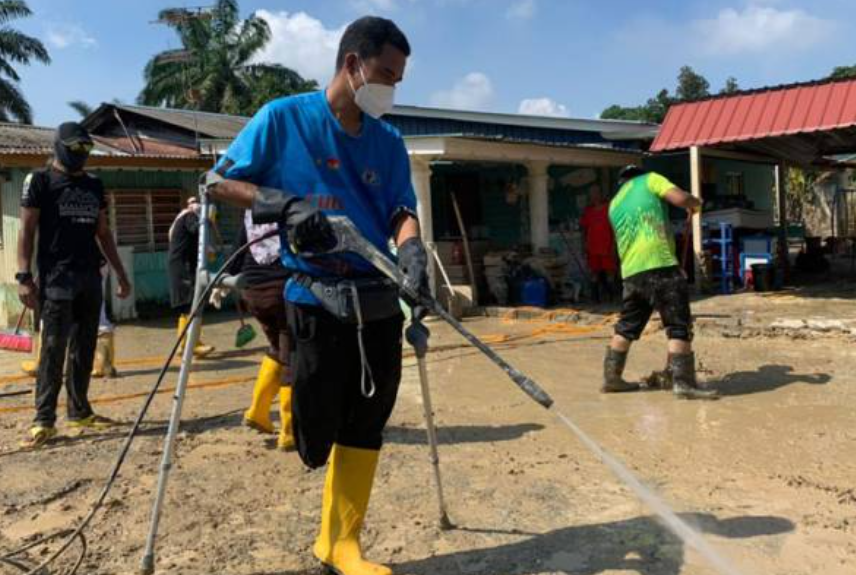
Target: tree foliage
(16, 48)
(731, 86)
(81, 107)
(691, 86)
(215, 71)
(843, 72)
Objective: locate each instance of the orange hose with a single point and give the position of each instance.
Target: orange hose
(126, 396)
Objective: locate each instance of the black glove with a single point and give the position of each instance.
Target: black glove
(307, 227)
(413, 263)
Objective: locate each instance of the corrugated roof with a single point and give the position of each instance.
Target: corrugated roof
(25, 140)
(206, 123)
(639, 130)
(805, 121)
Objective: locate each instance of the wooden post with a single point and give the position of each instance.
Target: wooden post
(474, 282)
(698, 236)
(782, 203)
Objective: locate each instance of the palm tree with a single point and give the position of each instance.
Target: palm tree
(16, 48)
(214, 70)
(80, 107)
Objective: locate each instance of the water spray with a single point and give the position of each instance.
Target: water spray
(349, 239)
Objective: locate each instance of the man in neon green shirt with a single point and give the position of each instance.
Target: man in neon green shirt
(653, 279)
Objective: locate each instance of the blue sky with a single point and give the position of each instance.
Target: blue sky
(561, 57)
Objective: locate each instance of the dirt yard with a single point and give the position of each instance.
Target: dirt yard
(767, 473)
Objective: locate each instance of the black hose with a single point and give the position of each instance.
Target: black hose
(77, 533)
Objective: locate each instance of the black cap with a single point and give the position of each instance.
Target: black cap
(630, 172)
(72, 133)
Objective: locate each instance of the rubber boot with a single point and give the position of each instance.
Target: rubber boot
(201, 350)
(31, 366)
(684, 383)
(613, 369)
(267, 385)
(103, 364)
(350, 475)
(285, 442)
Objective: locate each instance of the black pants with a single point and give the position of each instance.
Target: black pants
(69, 326)
(328, 405)
(664, 290)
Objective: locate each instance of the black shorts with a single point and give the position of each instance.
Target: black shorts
(664, 290)
(328, 404)
(266, 303)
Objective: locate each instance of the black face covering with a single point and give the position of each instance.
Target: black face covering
(71, 161)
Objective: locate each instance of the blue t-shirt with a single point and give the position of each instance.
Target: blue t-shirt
(296, 144)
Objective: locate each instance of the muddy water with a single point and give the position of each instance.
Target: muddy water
(766, 474)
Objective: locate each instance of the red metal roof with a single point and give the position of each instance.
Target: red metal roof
(800, 109)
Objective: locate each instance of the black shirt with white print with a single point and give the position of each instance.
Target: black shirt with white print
(69, 257)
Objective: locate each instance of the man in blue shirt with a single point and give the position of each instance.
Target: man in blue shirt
(298, 160)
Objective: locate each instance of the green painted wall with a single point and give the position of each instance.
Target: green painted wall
(504, 223)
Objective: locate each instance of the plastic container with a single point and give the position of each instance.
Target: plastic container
(763, 276)
(534, 292)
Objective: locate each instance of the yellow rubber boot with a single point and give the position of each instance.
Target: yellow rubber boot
(286, 434)
(267, 385)
(104, 363)
(31, 366)
(350, 475)
(201, 350)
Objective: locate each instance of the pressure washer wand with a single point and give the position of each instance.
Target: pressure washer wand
(351, 240)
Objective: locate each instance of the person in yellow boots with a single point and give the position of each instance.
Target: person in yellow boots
(263, 280)
(104, 364)
(300, 159)
(31, 366)
(183, 254)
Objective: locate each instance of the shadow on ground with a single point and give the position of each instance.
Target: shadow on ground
(457, 434)
(640, 545)
(765, 378)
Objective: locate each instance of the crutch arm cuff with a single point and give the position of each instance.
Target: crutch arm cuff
(270, 205)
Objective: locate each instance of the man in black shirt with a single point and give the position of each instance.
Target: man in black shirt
(67, 207)
(183, 255)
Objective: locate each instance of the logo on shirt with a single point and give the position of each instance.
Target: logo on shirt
(333, 164)
(371, 177)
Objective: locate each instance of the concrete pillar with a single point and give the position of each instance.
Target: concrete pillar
(539, 204)
(420, 175)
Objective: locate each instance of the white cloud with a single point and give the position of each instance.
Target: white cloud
(375, 5)
(301, 43)
(542, 107)
(62, 36)
(757, 28)
(521, 10)
(472, 92)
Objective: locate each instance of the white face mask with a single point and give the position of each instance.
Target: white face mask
(373, 99)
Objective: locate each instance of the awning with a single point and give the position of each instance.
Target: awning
(800, 123)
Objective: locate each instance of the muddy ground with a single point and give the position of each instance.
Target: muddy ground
(767, 473)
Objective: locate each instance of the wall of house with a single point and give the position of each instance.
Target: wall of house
(759, 179)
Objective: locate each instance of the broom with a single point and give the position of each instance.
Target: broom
(16, 341)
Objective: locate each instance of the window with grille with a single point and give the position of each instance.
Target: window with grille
(142, 218)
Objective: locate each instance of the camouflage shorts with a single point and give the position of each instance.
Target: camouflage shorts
(664, 290)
